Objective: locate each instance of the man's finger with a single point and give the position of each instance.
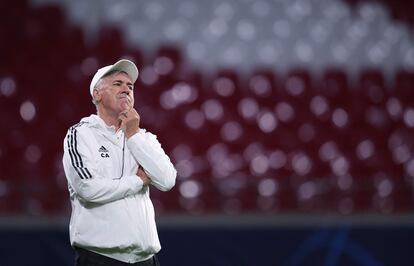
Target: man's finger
(123, 115)
(125, 112)
(134, 112)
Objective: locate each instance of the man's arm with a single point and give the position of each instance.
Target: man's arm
(147, 151)
(83, 175)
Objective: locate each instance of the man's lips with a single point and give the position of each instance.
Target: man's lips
(122, 97)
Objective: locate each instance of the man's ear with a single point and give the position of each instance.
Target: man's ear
(97, 95)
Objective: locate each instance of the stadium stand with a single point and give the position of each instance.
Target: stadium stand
(262, 142)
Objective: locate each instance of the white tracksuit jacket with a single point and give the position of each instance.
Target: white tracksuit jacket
(112, 213)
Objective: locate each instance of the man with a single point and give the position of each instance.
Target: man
(109, 163)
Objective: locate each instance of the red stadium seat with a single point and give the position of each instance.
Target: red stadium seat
(403, 87)
(334, 86)
(257, 142)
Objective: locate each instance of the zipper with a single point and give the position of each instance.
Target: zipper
(123, 156)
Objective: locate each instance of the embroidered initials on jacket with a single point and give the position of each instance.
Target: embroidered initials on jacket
(104, 152)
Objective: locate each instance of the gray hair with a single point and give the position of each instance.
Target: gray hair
(98, 84)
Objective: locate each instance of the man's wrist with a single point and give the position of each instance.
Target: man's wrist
(128, 134)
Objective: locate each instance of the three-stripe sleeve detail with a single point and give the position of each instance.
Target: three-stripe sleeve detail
(75, 157)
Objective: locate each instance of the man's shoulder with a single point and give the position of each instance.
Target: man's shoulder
(77, 131)
(78, 126)
(149, 136)
(146, 132)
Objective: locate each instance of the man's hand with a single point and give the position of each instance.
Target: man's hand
(141, 173)
(129, 122)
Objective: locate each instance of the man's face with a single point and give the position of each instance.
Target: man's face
(116, 93)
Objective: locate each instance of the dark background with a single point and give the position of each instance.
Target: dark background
(290, 124)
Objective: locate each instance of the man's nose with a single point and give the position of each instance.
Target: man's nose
(125, 89)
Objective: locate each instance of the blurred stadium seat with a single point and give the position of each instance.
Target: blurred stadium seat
(262, 141)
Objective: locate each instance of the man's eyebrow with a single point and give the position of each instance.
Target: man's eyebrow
(118, 80)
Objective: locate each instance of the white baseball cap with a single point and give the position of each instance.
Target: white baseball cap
(122, 65)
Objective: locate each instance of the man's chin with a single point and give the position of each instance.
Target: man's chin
(125, 105)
